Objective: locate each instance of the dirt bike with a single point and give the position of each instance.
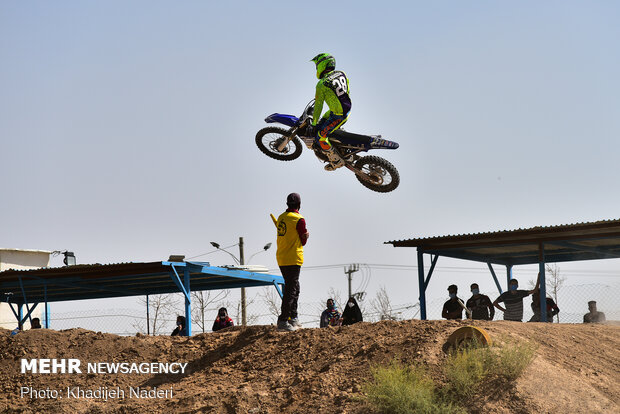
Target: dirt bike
(284, 144)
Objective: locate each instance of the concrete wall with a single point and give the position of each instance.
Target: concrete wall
(21, 259)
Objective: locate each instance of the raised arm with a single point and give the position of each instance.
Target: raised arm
(537, 287)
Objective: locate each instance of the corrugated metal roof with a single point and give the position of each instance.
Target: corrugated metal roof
(121, 279)
(538, 229)
(567, 242)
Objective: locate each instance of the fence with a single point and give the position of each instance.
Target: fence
(262, 309)
(572, 301)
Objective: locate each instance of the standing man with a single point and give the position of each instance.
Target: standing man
(452, 309)
(480, 305)
(292, 236)
(513, 300)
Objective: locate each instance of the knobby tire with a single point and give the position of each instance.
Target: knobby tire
(292, 150)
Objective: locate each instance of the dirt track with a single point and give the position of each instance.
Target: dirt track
(259, 370)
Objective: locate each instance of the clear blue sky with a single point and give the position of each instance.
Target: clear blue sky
(127, 128)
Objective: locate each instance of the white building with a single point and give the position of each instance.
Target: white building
(20, 259)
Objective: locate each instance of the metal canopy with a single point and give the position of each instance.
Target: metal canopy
(573, 242)
(536, 245)
(96, 281)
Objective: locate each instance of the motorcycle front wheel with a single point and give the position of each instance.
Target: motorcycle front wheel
(268, 139)
(378, 174)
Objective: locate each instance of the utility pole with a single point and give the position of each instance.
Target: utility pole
(352, 269)
(241, 262)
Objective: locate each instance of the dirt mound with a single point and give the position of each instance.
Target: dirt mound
(259, 370)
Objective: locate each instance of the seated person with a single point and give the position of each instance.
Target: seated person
(352, 313)
(330, 316)
(222, 320)
(181, 329)
(35, 323)
(593, 316)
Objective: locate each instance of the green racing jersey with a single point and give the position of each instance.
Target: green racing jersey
(333, 88)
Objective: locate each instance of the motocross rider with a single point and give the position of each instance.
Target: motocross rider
(332, 88)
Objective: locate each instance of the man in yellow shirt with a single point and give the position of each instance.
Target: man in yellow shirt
(292, 236)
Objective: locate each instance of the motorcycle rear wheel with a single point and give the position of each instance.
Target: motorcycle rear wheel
(379, 174)
(268, 139)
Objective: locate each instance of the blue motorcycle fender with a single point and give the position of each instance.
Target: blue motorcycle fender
(288, 120)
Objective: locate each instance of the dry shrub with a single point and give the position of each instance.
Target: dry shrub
(467, 368)
(513, 358)
(398, 389)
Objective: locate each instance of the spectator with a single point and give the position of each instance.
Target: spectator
(513, 300)
(593, 316)
(552, 308)
(292, 237)
(35, 323)
(222, 320)
(181, 329)
(452, 309)
(352, 313)
(480, 305)
(330, 316)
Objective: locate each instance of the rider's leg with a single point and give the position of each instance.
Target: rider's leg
(328, 124)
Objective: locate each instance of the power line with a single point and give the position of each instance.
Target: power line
(465, 269)
(212, 251)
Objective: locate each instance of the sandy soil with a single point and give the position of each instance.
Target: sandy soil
(259, 370)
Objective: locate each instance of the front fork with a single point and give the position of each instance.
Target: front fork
(290, 135)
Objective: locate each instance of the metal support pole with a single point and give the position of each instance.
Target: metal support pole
(29, 310)
(543, 283)
(430, 271)
(47, 307)
(421, 287)
(188, 302)
(243, 300)
(20, 317)
(47, 316)
(184, 287)
(508, 276)
(13, 310)
(499, 287)
(279, 290)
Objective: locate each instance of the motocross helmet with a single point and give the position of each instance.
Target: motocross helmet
(325, 63)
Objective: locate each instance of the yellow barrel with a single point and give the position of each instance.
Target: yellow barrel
(465, 335)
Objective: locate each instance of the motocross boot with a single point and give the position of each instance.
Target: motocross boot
(335, 160)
